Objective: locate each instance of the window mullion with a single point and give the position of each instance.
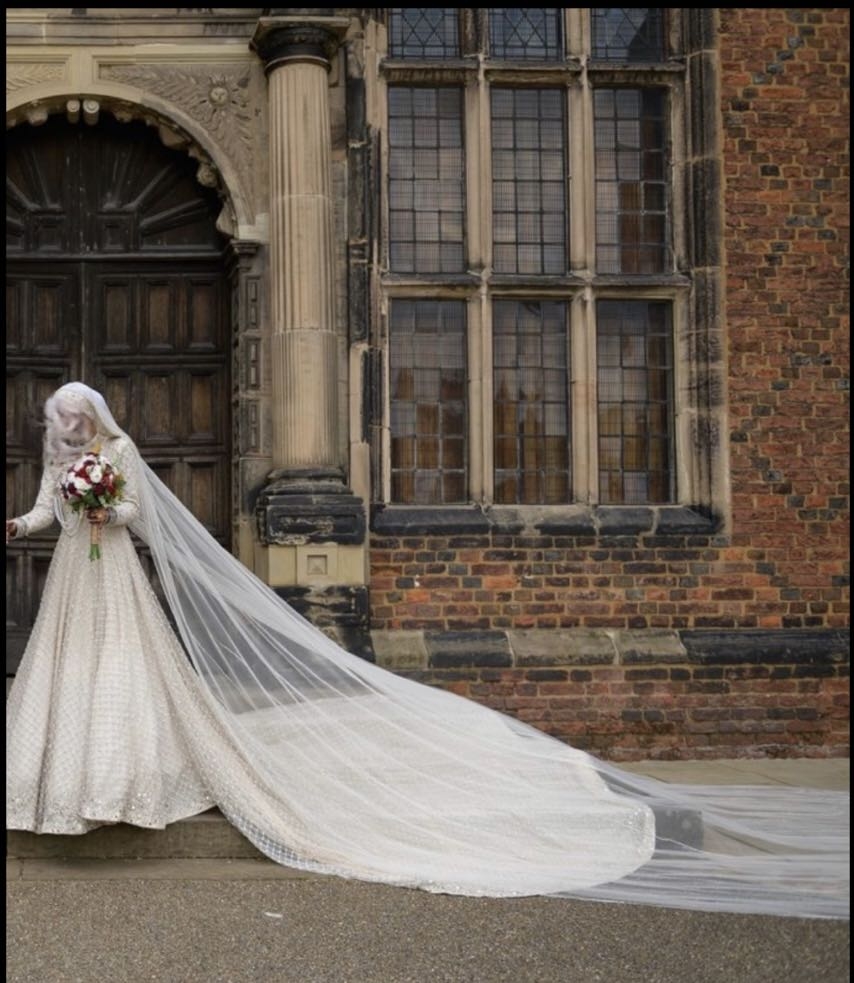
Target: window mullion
(582, 172)
(685, 482)
(481, 387)
(385, 449)
(582, 316)
(583, 397)
(478, 165)
(576, 32)
(479, 383)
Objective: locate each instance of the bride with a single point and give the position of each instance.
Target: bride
(328, 763)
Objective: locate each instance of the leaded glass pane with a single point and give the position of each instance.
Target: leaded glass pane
(525, 32)
(429, 429)
(530, 398)
(528, 181)
(632, 195)
(426, 188)
(635, 374)
(628, 33)
(424, 32)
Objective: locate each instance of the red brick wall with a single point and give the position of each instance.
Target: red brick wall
(670, 711)
(785, 75)
(783, 562)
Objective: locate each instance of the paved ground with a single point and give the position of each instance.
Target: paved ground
(249, 921)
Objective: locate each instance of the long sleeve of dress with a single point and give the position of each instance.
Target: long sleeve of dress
(125, 511)
(42, 514)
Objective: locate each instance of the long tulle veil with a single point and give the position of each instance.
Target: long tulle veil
(328, 763)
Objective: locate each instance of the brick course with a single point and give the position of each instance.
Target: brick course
(632, 695)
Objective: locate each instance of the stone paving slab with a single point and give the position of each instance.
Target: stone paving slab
(829, 773)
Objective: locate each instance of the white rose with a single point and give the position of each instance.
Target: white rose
(96, 473)
(82, 485)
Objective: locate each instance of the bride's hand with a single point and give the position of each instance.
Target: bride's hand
(97, 516)
(11, 529)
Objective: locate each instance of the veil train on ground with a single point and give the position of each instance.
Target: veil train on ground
(328, 763)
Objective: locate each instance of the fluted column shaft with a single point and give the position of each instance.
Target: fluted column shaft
(302, 262)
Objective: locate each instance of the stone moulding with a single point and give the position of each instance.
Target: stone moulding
(24, 75)
(214, 96)
(550, 648)
(583, 521)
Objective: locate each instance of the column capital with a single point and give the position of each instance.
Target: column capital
(282, 40)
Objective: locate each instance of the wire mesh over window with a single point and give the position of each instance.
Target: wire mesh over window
(632, 166)
(530, 402)
(428, 402)
(525, 32)
(529, 219)
(635, 368)
(426, 185)
(424, 32)
(628, 34)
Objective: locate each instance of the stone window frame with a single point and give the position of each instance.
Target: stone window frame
(694, 288)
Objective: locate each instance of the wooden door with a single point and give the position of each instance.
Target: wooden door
(115, 277)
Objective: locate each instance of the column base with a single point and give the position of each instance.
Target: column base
(309, 506)
(312, 552)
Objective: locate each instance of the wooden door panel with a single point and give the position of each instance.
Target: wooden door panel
(42, 311)
(29, 569)
(161, 422)
(114, 233)
(207, 407)
(26, 392)
(204, 304)
(14, 417)
(161, 315)
(27, 388)
(116, 277)
(21, 486)
(26, 573)
(17, 620)
(52, 299)
(113, 321)
(15, 305)
(204, 479)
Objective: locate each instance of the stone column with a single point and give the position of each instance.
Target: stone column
(311, 527)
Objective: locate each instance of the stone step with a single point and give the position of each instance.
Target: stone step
(208, 836)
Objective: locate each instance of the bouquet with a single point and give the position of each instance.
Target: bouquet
(92, 483)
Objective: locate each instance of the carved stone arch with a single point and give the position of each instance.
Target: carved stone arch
(177, 130)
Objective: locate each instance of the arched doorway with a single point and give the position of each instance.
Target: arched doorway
(115, 276)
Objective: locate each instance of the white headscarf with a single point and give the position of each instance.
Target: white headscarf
(67, 412)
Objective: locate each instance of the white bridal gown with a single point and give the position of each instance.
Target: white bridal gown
(107, 722)
(328, 763)
(95, 724)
